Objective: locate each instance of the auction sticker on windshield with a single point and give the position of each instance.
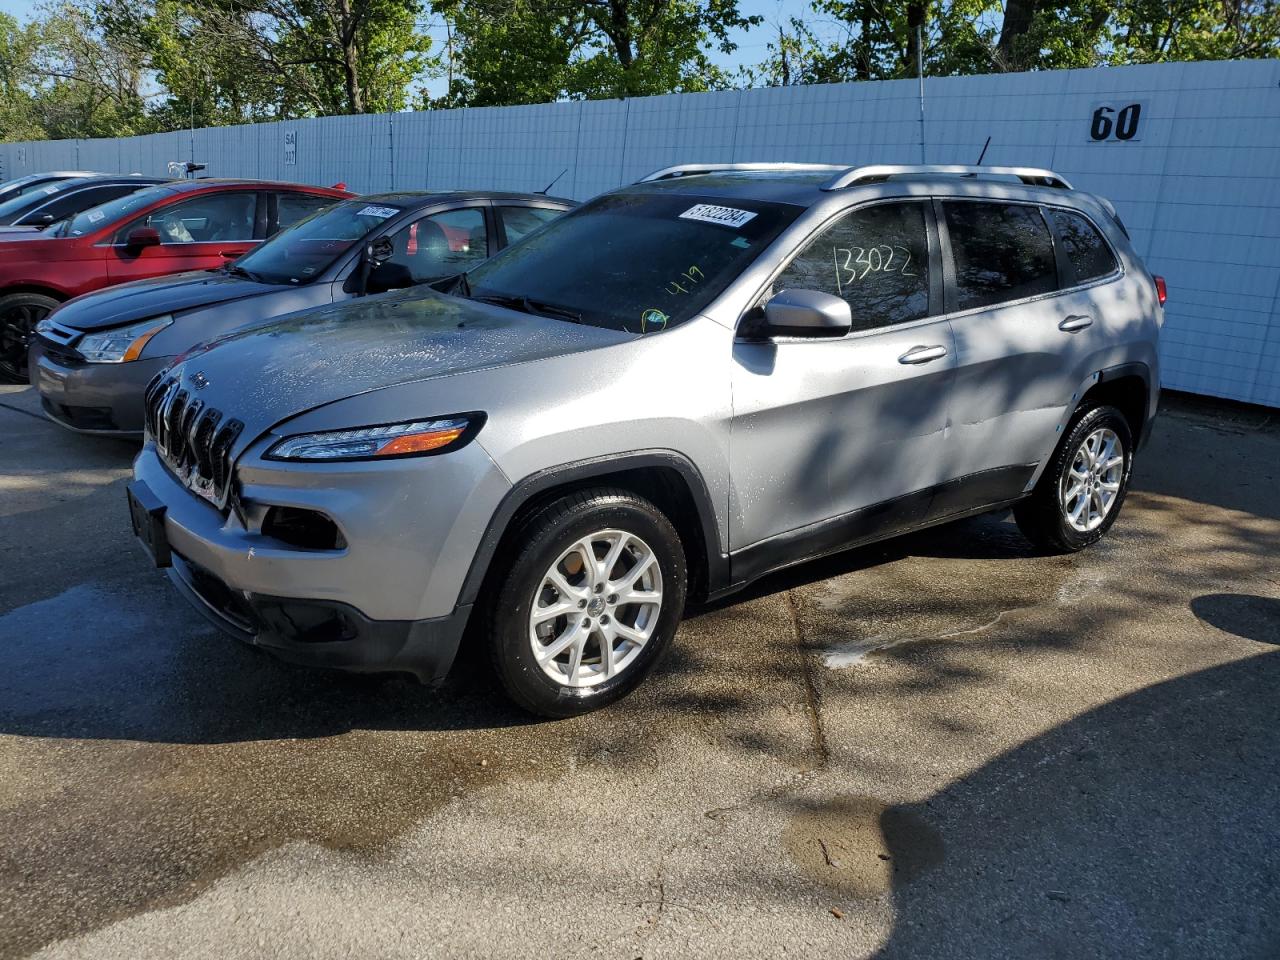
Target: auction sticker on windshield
(381, 212)
(725, 216)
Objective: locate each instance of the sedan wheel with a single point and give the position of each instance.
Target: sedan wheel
(19, 314)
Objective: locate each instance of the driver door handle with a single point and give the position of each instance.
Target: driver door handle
(1075, 322)
(229, 254)
(923, 354)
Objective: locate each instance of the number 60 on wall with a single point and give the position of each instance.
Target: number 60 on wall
(1115, 122)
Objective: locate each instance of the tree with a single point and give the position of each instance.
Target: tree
(530, 51)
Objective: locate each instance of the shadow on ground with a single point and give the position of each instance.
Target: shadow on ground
(1085, 841)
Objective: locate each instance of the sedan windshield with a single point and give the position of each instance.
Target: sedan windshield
(309, 247)
(106, 214)
(639, 263)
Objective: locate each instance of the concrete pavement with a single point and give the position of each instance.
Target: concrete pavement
(942, 746)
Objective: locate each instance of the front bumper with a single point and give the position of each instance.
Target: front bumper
(323, 633)
(104, 398)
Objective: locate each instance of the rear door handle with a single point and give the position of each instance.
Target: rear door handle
(923, 354)
(1076, 322)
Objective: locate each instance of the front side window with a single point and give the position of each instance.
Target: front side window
(520, 221)
(636, 262)
(875, 258)
(292, 207)
(1089, 254)
(212, 218)
(74, 202)
(441, 245)
(309, 247)
(1002, 252)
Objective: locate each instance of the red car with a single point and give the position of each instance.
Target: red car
(170, 228)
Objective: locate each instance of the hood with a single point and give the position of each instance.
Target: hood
(142, 299)
(267, 374)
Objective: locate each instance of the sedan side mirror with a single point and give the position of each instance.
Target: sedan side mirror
(380, 251)
(142, 237)
(800, 313)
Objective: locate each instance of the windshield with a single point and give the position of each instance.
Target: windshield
(307, 248)
(95, 218)
(639, 263)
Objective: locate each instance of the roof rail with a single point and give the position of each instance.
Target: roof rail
(694, 169)
(1033, 176)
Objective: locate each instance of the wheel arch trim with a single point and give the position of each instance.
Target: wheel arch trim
(564, 475)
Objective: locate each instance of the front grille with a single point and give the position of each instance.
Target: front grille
(193, 439)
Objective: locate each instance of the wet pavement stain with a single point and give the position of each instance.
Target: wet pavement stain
(861, 847)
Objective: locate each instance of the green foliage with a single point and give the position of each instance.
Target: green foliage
(85, 68)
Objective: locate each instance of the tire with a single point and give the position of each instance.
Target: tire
(19, 314)
(1059, 523)
(555, 684)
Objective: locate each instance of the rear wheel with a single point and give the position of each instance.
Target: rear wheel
(589, 604)
(19, 314)
(1082, 489)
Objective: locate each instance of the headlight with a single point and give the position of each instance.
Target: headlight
(123, 343)
(414, 438)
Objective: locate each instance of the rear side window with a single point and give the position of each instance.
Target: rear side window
(1002, 252)
(292, 207)
(875, 258)
(1089, 254)
(520, 221)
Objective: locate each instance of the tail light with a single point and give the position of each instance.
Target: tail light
(1162, 294)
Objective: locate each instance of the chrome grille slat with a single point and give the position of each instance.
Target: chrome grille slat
(194, 440)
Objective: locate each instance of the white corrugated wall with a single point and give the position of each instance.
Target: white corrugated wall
(1198, 186)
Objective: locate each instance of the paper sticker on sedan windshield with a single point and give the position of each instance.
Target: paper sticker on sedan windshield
(725, 216)
(380, 212)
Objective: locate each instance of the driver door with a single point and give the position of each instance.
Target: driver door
(837, 439)
(199, 233)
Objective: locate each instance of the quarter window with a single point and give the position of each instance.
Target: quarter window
(875, 258)
(1002, 252)
(1088, 252)
(211, 218)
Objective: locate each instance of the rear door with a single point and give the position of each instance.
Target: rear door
(1021, 346)
(834, 440)
(196, 233)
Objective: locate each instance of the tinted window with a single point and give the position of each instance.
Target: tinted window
(437, 246)
(210, 218)
(876, 258)
(635, 262)
(75, 201)
(520, 221)
(1088, 252)
(292, 207)
(311, 245)
(1002, 252)
(96, 218)
(12, 209)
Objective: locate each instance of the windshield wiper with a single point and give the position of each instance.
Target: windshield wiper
(238, 271)
(538, 308)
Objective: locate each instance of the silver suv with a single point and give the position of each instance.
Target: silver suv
(677, 388)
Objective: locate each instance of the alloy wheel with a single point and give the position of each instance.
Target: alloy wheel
(1089, 487)
(595, 608)
(17, 326)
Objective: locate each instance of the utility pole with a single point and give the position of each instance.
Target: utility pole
(920, 74)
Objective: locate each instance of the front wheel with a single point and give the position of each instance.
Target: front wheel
(19, 314)
(1082, 489)
(589, 604)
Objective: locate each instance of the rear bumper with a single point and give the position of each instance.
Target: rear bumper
(102, 398)
(323, 633)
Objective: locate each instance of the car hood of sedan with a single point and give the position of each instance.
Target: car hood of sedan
(141, 299)
(267, 374)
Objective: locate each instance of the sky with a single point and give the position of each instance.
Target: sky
(752, 44)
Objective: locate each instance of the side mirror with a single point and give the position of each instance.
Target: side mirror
(45, 219)
(800, 313)
(379, 251)
(141, 237)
